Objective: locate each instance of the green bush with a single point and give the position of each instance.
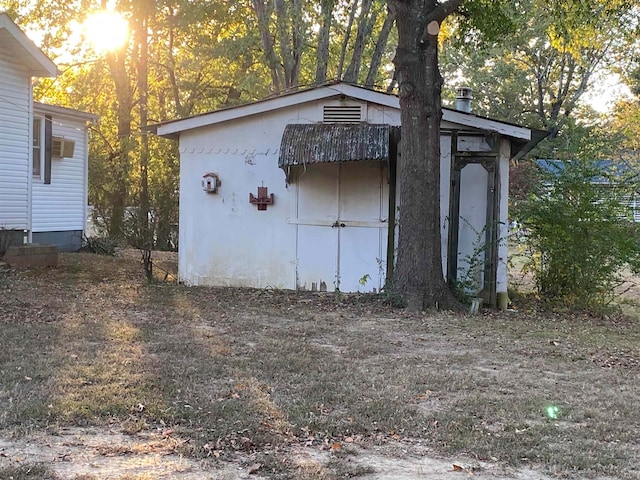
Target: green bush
(580, 233)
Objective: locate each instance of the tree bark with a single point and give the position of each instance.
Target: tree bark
(322, 54)
(365, 25)
(268, 45)
(418, 275)
(145, 229)
(347, 37)
(381, 45)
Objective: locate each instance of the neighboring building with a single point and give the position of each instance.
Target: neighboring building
(610, 170)
(298, 191)
(59, 185)
(43, 151)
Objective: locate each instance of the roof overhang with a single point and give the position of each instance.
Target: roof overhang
(172, 129)
(304, 144)
(57, 111)
(14, 40)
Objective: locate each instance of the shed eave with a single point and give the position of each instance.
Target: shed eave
(173, 128)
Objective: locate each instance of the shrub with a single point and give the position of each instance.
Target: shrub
(101, 245)
(580, 231)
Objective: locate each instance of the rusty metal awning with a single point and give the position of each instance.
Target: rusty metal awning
(323, 143)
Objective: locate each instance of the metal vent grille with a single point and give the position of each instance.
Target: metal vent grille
(342, 114)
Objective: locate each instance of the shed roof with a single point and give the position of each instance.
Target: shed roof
(173, 128)
(319, 143)
(14, 40)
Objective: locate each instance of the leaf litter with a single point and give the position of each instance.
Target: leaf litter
(87, 283)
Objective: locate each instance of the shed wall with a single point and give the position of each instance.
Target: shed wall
(226, 241)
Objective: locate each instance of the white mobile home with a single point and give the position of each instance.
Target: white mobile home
(59, 183)
(298, 191)
(43, 189)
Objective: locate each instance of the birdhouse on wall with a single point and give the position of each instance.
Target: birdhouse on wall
(211, 182)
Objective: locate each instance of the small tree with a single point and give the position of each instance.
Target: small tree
(580, 231)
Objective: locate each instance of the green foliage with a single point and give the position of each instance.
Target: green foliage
(468, 283)
(580, 233)
(551, 58)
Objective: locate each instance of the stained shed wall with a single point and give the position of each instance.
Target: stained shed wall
(226, 241)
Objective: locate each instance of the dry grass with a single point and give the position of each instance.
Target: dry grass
(255, 372)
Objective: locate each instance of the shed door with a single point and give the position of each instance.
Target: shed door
(342, 214)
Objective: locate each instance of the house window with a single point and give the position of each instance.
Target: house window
(38, 149)
(41, 155)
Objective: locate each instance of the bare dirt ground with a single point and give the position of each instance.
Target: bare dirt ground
(100, 453)
(103, 376)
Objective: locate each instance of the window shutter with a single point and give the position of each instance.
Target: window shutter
(48, 130)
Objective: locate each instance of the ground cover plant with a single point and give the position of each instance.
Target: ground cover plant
(299, 385)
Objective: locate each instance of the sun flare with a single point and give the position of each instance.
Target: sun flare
(106, 31)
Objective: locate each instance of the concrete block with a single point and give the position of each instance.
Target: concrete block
(32, 256)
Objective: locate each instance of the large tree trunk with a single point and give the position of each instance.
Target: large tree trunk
(418, 275)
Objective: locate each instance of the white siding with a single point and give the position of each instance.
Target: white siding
(225, 241)
(60, 206)
(15, 118)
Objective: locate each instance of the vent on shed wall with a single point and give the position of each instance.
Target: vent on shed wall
(342, 114)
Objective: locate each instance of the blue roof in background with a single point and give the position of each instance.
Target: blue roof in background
(617, 168)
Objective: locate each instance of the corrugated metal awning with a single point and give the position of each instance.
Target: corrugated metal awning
(322, 143)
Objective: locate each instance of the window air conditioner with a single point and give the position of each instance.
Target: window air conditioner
(61, 147)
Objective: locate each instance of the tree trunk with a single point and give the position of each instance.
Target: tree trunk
(418, 275)
(381, 45)
(124, 97)
(365, 25)
(347, 37)
(145, 230)
(268, 45)
(322, 55)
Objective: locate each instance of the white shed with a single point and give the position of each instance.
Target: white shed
(297, 191)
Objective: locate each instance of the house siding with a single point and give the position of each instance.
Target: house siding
(15, 102)
(59, 208)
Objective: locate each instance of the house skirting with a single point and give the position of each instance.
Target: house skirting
(66, 241)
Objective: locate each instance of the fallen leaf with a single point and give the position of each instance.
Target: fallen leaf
(336, 446)
(457, 468)
(348, 440)
(254, 468)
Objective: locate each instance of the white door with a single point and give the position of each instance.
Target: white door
(342, 214)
